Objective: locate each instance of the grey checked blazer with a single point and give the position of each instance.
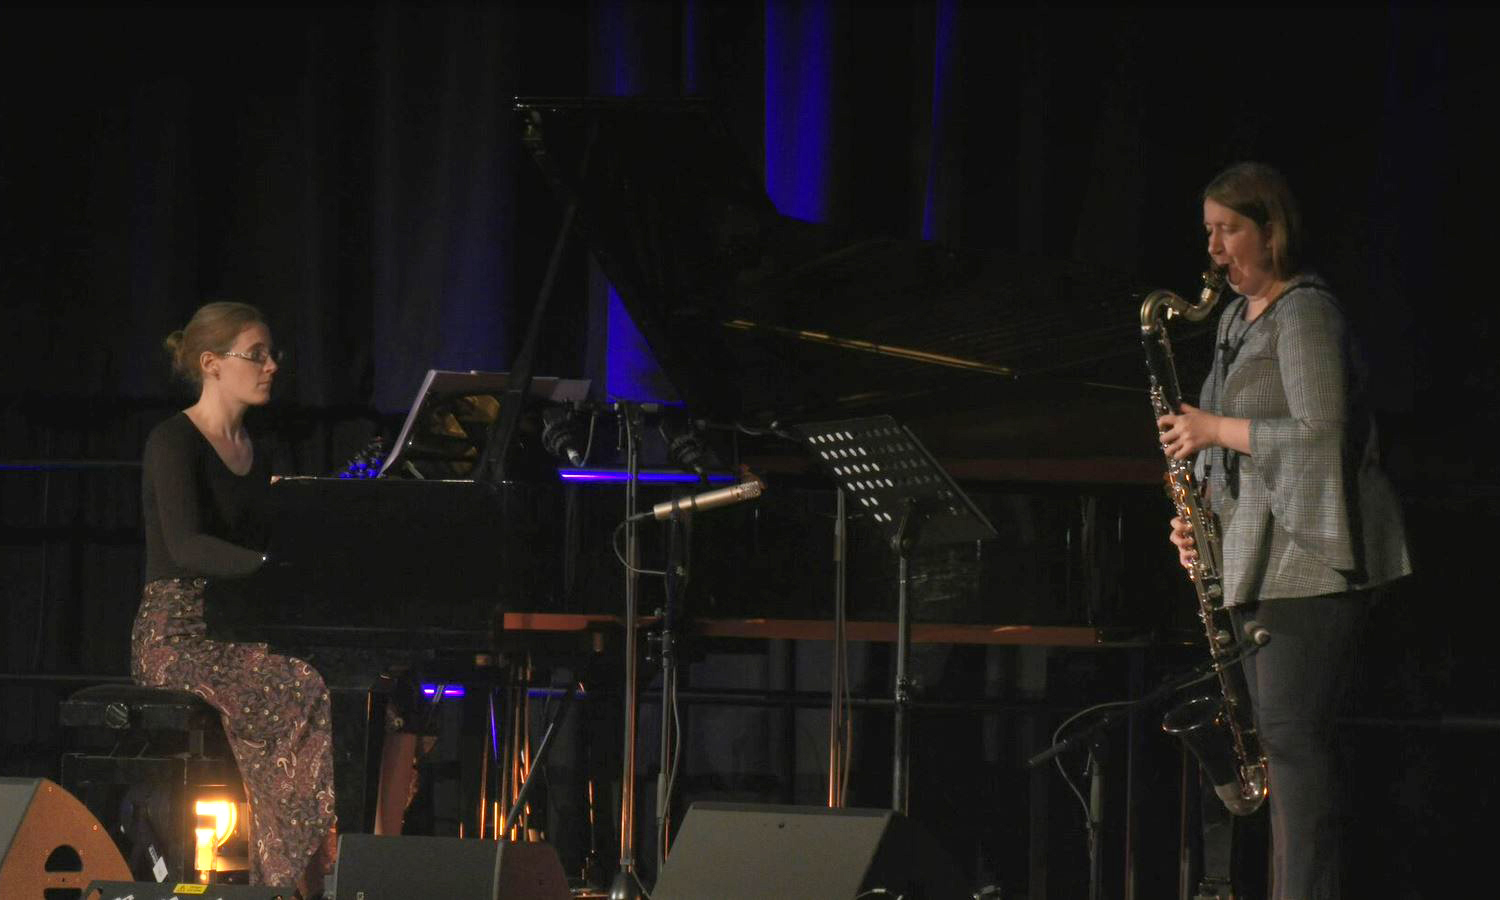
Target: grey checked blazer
(1309, 510)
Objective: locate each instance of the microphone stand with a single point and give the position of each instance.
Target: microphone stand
(1094, 735)
(676, 577)
(1096, 818)
(903, 542)
(626, 885)
(838, 712)
(1160, 692)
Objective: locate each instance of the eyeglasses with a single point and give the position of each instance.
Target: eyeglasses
(259, 356)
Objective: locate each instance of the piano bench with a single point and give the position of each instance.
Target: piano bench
(141, 710)
(157, 750)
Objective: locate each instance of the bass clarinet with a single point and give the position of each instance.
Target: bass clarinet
(1218, 728)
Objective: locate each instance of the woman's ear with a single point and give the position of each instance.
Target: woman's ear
(1268, 238)
(208, 364)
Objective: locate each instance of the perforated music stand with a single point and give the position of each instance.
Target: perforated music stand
(914, 503)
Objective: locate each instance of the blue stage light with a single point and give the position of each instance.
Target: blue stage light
(618, 476)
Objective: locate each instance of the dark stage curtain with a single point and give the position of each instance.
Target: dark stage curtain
(355, 172)
(349, 171)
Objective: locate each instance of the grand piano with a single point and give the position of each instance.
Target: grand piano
(1022, 375)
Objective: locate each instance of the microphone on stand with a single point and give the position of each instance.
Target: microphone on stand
(745, 490)
(560, 434)
(686, 449)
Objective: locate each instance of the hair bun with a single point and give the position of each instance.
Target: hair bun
(173, 345)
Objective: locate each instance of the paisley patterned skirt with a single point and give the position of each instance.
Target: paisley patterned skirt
(276, 717)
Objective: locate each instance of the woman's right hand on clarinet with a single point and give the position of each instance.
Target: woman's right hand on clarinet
(1182, 537)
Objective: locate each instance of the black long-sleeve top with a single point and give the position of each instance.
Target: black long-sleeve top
(201, 518)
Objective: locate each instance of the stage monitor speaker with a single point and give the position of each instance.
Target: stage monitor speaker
(736, 850)
(50, 844)
(148, 890)
(412, 867)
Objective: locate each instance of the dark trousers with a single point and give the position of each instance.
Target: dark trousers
(1296, 683)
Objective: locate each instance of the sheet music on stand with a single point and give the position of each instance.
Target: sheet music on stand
(445, 430)
(899, 485)
(884, 468)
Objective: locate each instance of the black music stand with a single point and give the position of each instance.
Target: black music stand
(899, 487)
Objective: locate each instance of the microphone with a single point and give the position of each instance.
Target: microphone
(686, 449)
(560, 434)
(745, 490)
(1256, 633)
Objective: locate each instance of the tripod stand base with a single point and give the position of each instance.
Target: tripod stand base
(624, 887)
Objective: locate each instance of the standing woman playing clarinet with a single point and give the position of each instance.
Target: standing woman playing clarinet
(1310, 524)
(204, 488)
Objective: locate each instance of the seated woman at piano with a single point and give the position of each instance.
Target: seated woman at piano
(1310, 524)
(203, 494)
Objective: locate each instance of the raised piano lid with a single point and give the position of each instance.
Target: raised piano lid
(758, 317)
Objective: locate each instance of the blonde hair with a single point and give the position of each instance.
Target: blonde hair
(212, 329)
(1260, 194)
